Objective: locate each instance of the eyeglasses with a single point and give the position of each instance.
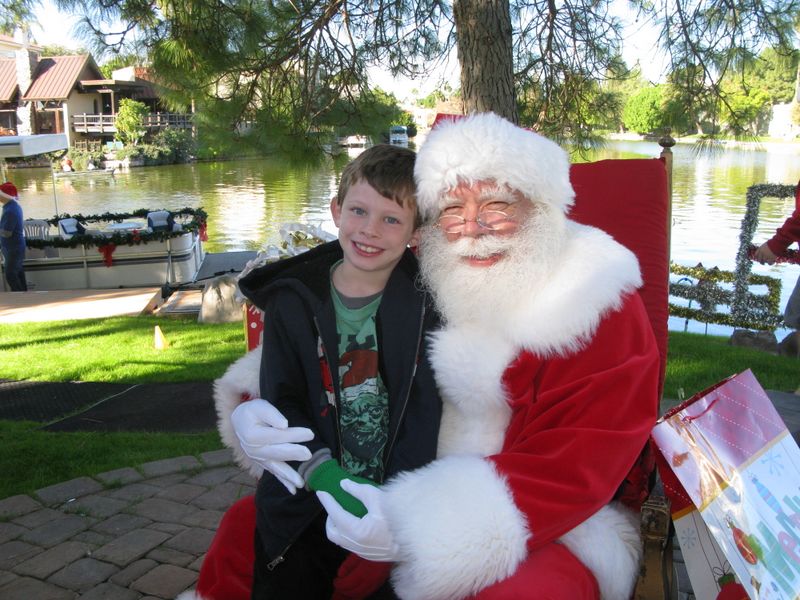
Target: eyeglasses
(493, 220)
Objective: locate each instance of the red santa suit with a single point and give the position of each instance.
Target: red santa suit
(549, 397)
(533, 451)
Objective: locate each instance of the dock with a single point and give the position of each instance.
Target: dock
(60, 305)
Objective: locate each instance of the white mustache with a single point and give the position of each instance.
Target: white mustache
(480, 247)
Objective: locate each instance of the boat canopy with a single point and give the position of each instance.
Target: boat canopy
(18, 146)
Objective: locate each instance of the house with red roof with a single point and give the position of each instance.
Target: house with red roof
(69, 94)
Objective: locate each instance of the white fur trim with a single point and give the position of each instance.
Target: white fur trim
(190, 595)
(591, 279)
(241, 378)
(463, 534)
(608, 544)
(475, 413)
(486, 146)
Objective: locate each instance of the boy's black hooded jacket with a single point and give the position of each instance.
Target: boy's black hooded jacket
(300, 368)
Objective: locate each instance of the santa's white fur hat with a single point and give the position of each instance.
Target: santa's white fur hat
(485, 146)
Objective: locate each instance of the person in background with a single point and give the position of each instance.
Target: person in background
(12, 238)
(775, 247)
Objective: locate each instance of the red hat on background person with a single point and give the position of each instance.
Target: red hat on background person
(9, 189)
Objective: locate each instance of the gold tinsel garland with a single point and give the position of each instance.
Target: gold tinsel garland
(763, 310)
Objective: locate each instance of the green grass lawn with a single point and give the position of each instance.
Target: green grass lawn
(116, 350)
(121, 350)
(32, 459)
(696, 361)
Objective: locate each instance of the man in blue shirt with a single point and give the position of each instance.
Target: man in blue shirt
(12, 240)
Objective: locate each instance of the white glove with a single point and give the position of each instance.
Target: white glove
(267, 439)
(369, 536)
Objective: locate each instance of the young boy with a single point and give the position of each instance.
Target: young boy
(344, 356)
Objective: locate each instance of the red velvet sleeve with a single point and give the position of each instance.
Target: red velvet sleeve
(786, 234)
(579, 423)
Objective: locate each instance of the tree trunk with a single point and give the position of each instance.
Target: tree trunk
(483, 31)
(796, 85)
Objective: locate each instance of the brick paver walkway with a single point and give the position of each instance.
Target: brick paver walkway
(141, 533)
(123, 535)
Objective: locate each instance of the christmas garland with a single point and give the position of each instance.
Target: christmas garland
(742, 308)
(762, 310)
(192, 220)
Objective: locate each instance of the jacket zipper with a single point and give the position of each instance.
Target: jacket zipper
(280, 558)
(408, 389)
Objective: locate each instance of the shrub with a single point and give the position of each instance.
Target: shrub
(177, 144)
(128, 152)
(130, 121)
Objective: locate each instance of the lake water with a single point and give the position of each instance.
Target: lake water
(248, 200)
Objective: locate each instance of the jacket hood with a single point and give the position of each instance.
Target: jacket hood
(307, 273)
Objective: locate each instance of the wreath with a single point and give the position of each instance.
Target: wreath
(191, 220)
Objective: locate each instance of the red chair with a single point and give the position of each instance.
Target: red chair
(630, 200)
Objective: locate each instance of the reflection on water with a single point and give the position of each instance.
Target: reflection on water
(248, 200)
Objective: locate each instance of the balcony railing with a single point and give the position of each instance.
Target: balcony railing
(106, 123)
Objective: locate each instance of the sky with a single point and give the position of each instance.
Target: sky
(56, 27)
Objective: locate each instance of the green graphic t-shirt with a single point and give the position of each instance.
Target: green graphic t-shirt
(364, 415)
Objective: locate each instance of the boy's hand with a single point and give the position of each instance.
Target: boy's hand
(369, 537)
(358, 578)
(267, 439)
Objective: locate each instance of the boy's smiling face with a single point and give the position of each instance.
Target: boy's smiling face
(374, 231)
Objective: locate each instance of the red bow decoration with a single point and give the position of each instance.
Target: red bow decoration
(136, 237)
(107, 250)
(203, 234)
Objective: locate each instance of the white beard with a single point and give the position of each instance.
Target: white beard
(490, 296)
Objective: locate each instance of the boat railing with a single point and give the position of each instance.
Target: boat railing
(92, 256)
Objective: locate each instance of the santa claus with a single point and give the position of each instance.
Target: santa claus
(548, 370)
